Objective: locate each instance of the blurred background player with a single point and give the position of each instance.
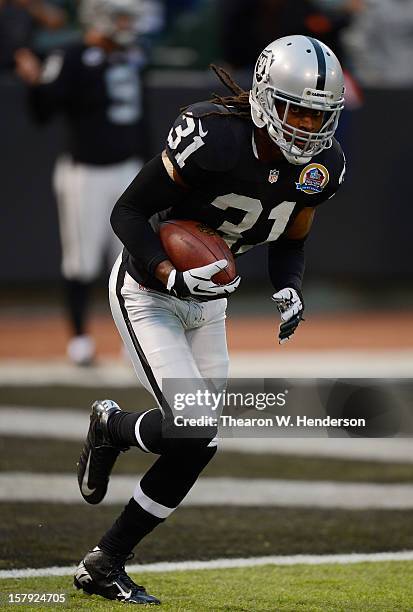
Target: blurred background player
(96, 83)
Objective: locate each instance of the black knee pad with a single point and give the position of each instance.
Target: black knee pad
(151, 431)
(185, 446)
(161, 435)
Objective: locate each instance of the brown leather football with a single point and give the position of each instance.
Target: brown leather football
(191, 244)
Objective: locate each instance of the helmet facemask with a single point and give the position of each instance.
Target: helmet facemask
(298, 145)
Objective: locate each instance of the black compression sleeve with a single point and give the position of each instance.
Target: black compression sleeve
(286, 263)
(150, 192)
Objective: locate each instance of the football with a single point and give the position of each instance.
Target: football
(192, 244)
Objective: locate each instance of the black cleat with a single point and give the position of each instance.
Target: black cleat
(101, 574)
(98, 455)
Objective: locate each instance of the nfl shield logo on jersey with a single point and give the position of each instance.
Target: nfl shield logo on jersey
(273, 176)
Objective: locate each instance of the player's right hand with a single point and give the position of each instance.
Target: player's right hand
(197, 282)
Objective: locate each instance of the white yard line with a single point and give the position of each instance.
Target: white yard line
(67, 424)
(266, 364)
(387, 450)
(53, 423)
(225, 564)
(109, 372)
(63, 488)
(323, 364)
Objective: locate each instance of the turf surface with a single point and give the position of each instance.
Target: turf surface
(378, 587)
(40, 535)
(36, 455)
(60, 396)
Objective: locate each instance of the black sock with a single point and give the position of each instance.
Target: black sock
(173, 475)
(129, 528)
(77, 298)
(121, 426)
(167, 482)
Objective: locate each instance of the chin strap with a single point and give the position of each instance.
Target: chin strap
(295, 159)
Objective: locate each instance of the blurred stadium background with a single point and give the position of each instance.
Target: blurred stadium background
(358, 290)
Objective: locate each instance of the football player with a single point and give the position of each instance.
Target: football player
(254, 166)
(96, 84)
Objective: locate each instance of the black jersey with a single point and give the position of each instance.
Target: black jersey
(100, 96)
(249, 202)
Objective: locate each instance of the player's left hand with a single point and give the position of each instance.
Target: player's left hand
(290, 305)
(28, 66)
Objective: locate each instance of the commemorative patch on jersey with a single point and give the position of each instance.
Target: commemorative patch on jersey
(273, 176)
(313, 179)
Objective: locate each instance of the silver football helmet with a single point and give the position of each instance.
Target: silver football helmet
(102, 16)
(302, 71)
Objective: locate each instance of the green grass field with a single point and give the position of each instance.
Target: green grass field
(41, 535)
(384, 586)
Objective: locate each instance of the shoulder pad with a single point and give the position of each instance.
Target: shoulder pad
(334, 161)
(203, 136)
(337, 162)
(61, 62)
(334, 157)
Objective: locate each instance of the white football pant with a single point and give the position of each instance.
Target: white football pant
(167, 337)
(85, 198)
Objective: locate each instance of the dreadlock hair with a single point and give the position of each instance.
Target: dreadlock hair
(239, 101)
